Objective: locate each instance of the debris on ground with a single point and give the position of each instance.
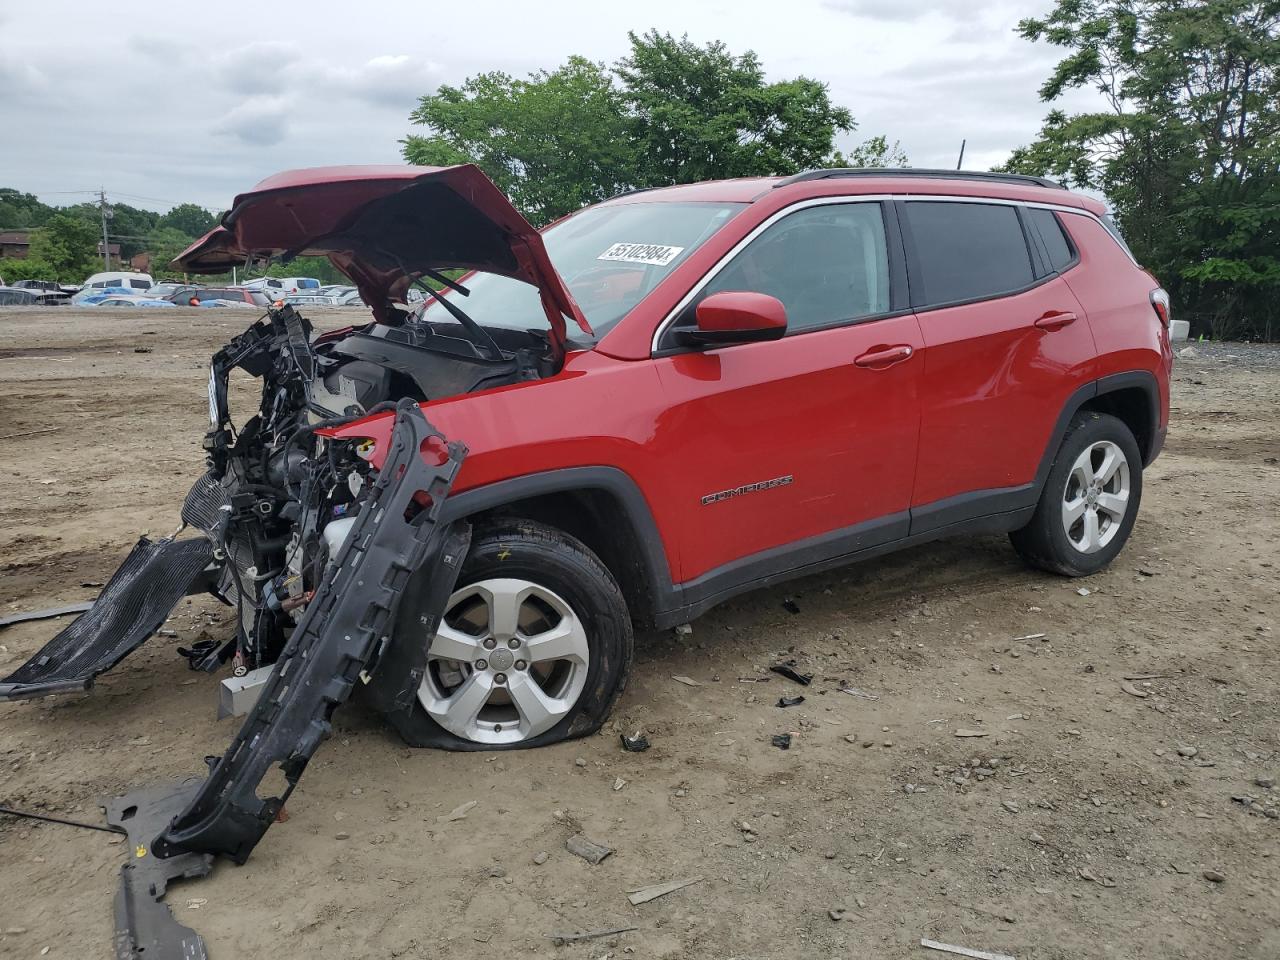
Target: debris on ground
(687, 681)
(964, 732)
(589, 935)
(790, 606)
(683, 629)
(1213, 876)
(860, 694)
(788, 669)
(654, 891)
(781, 740)
(458, 813)
(588, 850)
(836, 913)
(964, 951)
(636, 743)
(791, 701)
(1133, 691)
(541, 857)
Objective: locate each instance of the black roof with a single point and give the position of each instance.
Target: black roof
(1018, 178)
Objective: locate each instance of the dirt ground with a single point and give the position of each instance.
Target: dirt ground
(1085, 822)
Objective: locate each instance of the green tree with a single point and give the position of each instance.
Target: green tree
(670, 112)
(1186, 146)
(68, 246)
(21, 210)
(553, 143)
(13, 269)
(874, 152)
(701, 113)
(189, 219)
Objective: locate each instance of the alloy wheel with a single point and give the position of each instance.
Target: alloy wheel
(508, 662)
(1096, 497)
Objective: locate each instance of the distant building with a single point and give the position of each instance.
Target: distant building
(14, 243)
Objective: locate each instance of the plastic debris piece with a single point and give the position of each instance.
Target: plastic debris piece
(790, 701)
(653, 892)
(781, 740)
(789, 671)
(964, 951)
(637, 743)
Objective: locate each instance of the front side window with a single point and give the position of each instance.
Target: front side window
(827, 264)
(966, 251)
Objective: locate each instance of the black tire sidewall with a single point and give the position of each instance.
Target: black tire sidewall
(563, 565)
(1087, 429)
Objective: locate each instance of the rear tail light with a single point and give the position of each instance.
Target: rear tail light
(1160, 303)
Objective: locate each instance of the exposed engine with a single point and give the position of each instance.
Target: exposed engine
(278, 499)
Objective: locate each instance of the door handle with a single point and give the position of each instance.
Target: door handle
(881, 357)
(1055, 320)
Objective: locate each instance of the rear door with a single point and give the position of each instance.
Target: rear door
(789, 452)
(1006, 344)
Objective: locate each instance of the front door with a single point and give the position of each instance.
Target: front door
(791, 452)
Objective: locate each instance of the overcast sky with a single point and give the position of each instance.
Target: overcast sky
(199, 105)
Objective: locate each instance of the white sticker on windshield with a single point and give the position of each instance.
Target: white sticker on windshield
(657, 254)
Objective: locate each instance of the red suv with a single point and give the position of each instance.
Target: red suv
(758, 379)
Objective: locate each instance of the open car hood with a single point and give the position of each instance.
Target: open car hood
(381, 226)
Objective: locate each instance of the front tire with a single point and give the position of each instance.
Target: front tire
(1090, 499)
(533, 648)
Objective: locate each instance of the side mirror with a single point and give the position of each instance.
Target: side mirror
(735, 316)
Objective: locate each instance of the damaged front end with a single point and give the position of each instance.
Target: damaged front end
(313, 537)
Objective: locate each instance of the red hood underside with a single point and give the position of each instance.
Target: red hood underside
(382, 226)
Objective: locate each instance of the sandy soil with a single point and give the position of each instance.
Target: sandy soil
(1074, 828)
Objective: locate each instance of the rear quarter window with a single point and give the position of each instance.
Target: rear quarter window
(1058, 249)
(966, 251)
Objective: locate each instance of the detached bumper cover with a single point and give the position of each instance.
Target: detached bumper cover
(343, 635)
(132, 606)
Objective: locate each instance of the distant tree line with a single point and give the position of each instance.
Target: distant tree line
(65, 240)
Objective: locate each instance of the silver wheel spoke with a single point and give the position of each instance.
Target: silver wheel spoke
(1113, 504)
(504, 599)
(1072, 510)
(1083, 470)
(453, 644)
(469, 699)
(565, 641)
(1089, 542)
(538, 712)
(1111, 461)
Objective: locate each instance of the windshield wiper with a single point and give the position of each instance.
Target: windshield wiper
(479, 335)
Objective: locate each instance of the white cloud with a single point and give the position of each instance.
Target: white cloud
(259, 120)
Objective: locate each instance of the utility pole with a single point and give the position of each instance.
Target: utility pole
(106, 215)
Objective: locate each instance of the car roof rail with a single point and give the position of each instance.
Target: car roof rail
(1019, 178)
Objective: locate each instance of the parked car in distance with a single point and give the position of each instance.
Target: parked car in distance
(88, 293)
(129, 280)
(278, 287)
(166, 289)
(45, 286)
(121, 300)
(220, 296)
(17, 297)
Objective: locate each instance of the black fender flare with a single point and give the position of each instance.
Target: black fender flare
(1145, 380)
(613, 481)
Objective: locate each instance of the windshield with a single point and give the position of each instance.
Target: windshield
(609, 256)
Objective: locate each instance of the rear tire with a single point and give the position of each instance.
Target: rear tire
(1089, 502)
(539, 598)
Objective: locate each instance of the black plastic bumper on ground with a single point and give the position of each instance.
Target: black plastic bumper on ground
(132, 606)
(343, 632)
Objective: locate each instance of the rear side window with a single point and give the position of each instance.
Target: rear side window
(967, 251)
(1046, 224)
(139, 284)
(827, 264)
